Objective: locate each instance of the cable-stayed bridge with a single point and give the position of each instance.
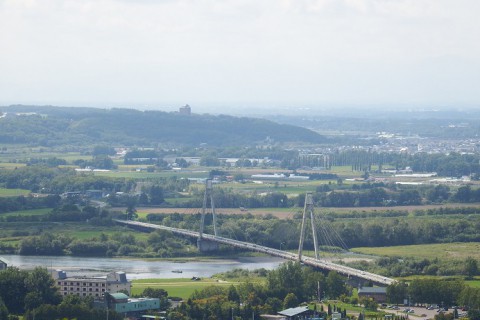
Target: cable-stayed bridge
(208, 242)
(311, 261)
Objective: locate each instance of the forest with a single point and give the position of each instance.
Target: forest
(55, 126)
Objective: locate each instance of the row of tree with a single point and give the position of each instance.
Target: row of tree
(445, 293)
(8, 204)
(286, 287)
(118, 244)
(406, 266)
(273, 232)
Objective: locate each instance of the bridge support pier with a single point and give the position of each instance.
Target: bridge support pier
(205, 245)
(202, 244)
(208, 196)
(308, 208)
(356, 282)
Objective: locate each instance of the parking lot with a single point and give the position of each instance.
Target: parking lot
(419, 313)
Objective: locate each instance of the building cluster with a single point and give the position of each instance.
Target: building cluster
(379, 294)
(403, 144)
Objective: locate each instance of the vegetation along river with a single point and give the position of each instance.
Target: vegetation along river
(138, 268)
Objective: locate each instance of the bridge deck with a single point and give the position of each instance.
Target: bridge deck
(347, 271)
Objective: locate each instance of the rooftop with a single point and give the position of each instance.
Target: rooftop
(119, 296)
(293, 311)
(370, 290)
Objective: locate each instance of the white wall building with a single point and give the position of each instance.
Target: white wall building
(91, 286)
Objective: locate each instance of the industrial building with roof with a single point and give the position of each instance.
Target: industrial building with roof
(91, 286)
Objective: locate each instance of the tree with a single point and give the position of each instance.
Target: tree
(3, 310)
(12, 282)
(287, 278)
(157, 293)
(131, 212)
(156, 195)
(41, 288)
(103, 162)
(396, 292)
(290, 301)
(23, 290)
(181, 162)
(103, 150)
(233, 294)
(209, 161)
(463, 194)
(471, 267)
(369, 304)
(335, 284)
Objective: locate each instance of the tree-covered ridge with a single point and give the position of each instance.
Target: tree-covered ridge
(51, 126)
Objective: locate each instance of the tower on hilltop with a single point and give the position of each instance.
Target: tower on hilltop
(185, 110)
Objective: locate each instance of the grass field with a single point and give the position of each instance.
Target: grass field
(10, 166)
(287, 187)
(13, 192)
(84, 231)
(126, 172)
(79, 231)
(473, 283)
(180, 287)
(33, 212)
(281, 213)
(447, 251)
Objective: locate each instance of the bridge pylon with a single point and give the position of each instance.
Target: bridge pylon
(308, 208)
(202, 244)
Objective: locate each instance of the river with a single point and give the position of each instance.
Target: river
(138, 268)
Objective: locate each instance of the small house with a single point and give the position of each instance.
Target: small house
(3, 265)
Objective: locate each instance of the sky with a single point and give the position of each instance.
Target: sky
(233, 54)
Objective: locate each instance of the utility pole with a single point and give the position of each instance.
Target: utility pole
(318, 291)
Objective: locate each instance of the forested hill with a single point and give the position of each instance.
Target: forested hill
(50, 126)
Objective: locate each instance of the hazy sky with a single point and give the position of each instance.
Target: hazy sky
(236, 53)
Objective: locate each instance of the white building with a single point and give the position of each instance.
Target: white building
(91, 286)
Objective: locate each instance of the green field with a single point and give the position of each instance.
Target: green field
(10, 166)
(13, 192)
(33, 212)
(448, 251)
(473, 283)
(179, 287)
(145, 175)
(79, 230)
(287, 187)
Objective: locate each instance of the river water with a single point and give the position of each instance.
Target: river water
(140, 269)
